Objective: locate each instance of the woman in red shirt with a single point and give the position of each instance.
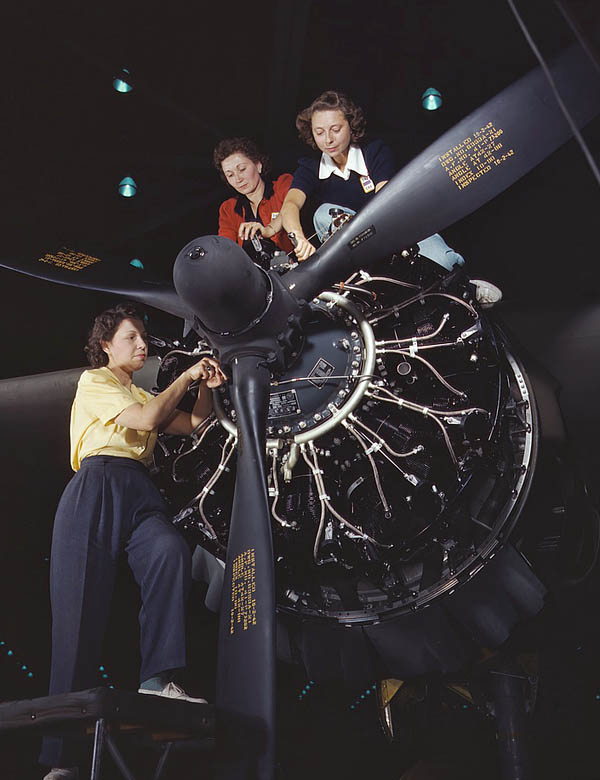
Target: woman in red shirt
(256, 207)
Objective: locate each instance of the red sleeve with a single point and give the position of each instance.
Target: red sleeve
(228, 220)
(281, 187)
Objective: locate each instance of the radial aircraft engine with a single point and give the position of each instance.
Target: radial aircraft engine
(401, 439)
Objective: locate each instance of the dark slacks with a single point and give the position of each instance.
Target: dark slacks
(111, 506)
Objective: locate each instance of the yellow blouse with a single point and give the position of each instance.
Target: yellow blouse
(100, 397)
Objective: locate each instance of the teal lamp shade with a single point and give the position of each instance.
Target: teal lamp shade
(137, 263)
(431, 99)
(127, 187)
(121, 83)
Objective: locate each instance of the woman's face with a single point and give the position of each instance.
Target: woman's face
(128, 348)
(331, 132)
(242, 173)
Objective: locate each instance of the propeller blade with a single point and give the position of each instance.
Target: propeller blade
(105, 274)
(466, 167)
(246, 665)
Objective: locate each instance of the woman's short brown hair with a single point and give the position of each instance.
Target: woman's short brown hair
(229, 146)
(332, 101)
(104, 328)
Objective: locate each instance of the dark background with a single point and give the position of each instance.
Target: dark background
(203, 71)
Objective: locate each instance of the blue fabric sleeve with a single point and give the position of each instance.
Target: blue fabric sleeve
(380, 161)
(306, 176)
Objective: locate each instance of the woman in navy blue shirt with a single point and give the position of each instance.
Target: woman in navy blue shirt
(348, 173)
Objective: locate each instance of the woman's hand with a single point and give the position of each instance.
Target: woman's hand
(248, 230)
(210, 375)
(207, 370)
(303, 249)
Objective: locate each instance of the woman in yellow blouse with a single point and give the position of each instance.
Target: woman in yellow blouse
(111, 506)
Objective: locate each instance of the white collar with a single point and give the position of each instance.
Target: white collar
(356, 162)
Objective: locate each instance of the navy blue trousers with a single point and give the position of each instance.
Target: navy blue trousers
(110, 507)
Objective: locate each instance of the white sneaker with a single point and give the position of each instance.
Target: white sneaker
(486, 293)
(63, 774)
(172, 691)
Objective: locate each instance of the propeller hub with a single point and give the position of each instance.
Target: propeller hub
(220, 284)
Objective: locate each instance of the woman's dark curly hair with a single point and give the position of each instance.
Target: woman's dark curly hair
(104, 328)
(229, 146)
(332, 101)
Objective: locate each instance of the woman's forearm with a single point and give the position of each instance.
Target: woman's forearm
(203, 406)
(148, 416)
(162, 406)
(211, 376)
(273, 227)
(185, 423)
(290, 219)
